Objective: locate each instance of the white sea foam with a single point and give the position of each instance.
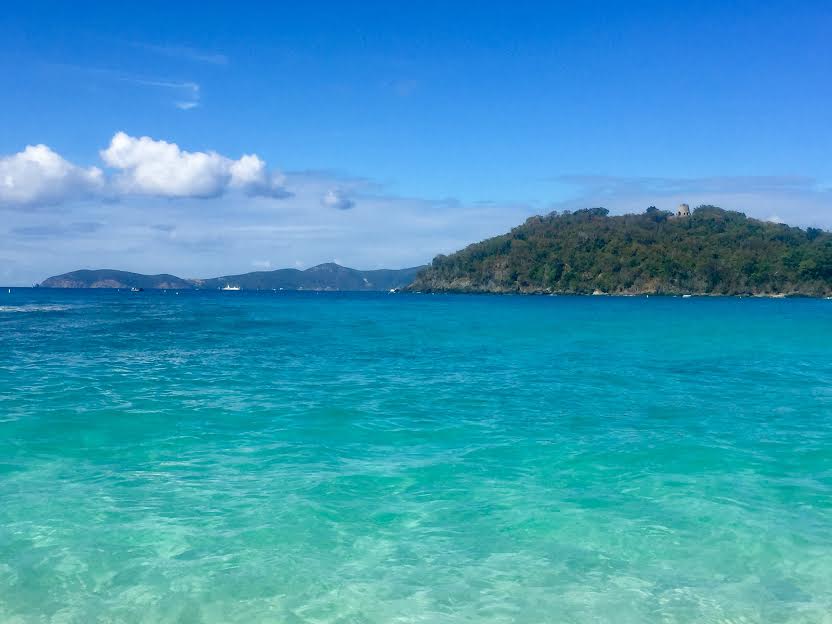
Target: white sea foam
(37, 308)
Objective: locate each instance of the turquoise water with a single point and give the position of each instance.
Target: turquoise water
(263, 457)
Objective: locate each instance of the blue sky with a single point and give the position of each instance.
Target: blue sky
(388, 132)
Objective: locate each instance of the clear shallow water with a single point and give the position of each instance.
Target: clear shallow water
(242, 457)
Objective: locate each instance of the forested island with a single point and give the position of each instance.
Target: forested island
(708, 251)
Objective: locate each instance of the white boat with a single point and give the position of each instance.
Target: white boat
(230, 287)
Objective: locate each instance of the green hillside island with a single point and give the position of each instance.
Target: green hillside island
(708, 251)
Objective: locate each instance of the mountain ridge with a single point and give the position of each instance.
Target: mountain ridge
(326, 276)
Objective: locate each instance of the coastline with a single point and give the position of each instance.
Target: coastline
(680, 295)
(451, 291)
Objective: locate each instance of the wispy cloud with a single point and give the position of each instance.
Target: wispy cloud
(186, 92)
(167, 228)
(189, 91)
(184, 52)
(56, 230)
(618, 185)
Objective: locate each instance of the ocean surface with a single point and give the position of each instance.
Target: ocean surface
(374, 458)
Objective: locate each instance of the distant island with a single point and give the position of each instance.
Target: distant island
(329, 276)
(706, 251)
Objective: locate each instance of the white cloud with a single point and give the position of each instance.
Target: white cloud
(250, 174)
(37, 175)
(185, 52)
(337, 199)
(187, 92)
(149, 167)
(158, 168)
(141, 166)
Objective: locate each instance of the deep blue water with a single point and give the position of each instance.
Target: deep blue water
(352, 458)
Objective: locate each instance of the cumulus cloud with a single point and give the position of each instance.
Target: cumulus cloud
(337, 199)
(138, 166)
(149, 167)
(250, 175)
(158, 168)
(37, 175)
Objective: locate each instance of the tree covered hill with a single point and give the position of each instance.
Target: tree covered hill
(712, 251)
(111, 278)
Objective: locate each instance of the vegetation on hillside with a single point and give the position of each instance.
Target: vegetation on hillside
(111, 278)
(713, 251)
